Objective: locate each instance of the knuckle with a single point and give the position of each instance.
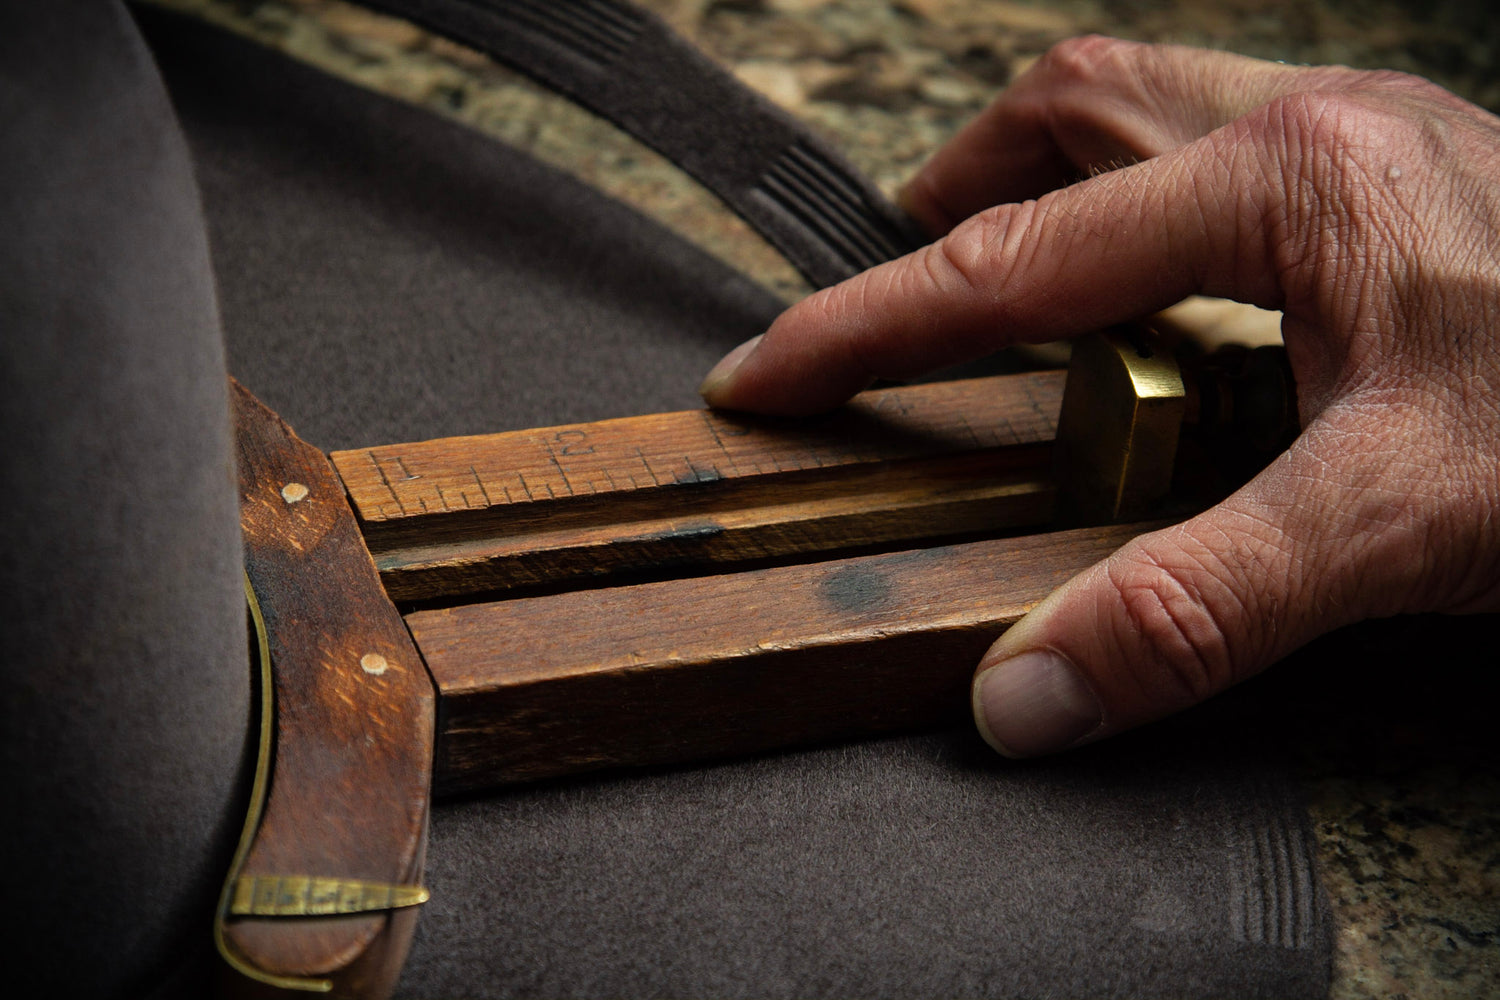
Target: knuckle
(1405, 90)
(1187, 656)
(1328, 151)
(1354, 132)
(1319, 124)
(1084, 59)
(967, 259)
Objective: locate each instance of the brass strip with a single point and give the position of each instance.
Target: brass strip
(314, 896)
(252, 818)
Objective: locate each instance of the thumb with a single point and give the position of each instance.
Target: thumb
(1178, 615)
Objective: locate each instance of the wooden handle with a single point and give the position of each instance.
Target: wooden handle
(338, 830)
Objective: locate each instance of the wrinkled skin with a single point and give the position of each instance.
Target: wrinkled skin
(1365, 206)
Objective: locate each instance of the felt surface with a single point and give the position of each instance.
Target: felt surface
(626, 65)
(920, 866)
(386, 276)
(125, 678)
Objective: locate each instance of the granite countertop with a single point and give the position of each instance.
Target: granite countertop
(1405, 799)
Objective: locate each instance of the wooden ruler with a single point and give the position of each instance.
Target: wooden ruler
(767, 620)
(667, 491)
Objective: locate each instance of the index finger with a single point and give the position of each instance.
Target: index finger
(1115, 247)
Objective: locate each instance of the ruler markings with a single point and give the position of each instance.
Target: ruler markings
(650, 471)
(552, 456)
(708, 421)
(637, 453)
(964, 423)
(385, 481)
(480, 483)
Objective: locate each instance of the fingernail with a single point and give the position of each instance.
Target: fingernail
(1034, 703)
(719, 377)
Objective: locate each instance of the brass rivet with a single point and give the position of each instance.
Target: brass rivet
(292, 492)
(373, 663)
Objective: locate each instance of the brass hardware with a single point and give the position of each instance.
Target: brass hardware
(1122, 408)
(252, 817)
(1126, 403)
(307, 896)
(290, 895)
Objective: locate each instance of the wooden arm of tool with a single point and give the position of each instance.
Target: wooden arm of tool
(318, 894)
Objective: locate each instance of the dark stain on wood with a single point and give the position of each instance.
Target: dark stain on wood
(855, 589)
(695, 476)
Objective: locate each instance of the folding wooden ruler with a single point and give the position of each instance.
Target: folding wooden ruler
(450, 615)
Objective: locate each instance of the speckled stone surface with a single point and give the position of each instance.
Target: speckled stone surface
(1402, 778)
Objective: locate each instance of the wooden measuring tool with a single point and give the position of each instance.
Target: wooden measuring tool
(449, 615)
(540, 507)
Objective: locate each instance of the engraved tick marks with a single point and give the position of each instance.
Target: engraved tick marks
(718, 434)
(891, 402)
(385, 481)
(489, 501)
(713, 431)
(561, 472)
(964, 423)
(692, 447)
(463, 496)
(1035, 403)
(647, 466)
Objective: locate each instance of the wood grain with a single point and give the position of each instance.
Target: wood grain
(486, 513)
(699, 668)
(354, 724)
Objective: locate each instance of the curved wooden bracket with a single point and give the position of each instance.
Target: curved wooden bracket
(319, 898)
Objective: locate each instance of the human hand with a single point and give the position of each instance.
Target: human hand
(1365, 206)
